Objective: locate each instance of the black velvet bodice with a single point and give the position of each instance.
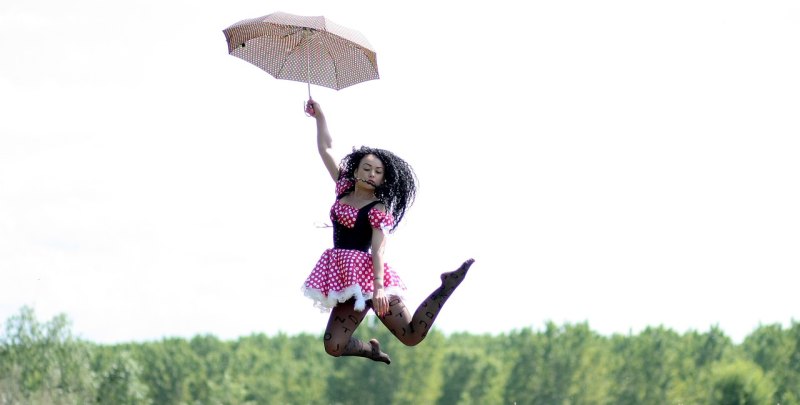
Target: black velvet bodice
(359, 237)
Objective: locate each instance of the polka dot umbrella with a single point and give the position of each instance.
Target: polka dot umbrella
(314, 50)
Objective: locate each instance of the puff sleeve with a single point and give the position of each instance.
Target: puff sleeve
(342, 185)
(380, 220)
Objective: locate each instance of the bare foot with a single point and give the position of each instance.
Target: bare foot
(377, 354)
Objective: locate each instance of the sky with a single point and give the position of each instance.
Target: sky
(627, 164)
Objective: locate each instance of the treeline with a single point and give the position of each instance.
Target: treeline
(43, 363)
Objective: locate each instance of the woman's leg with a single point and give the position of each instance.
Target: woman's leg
(411, 330)
(339, 340)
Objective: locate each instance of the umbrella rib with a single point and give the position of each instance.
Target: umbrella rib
(333, 60)
(291, 51)
(269, 34)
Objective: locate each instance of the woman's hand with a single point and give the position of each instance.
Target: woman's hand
(313, 109)
(380, 302)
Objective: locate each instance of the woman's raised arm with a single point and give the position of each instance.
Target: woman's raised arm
(324, 140)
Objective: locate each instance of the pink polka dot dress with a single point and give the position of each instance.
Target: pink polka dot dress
(345, 271)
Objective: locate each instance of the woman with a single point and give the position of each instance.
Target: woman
(374, 188)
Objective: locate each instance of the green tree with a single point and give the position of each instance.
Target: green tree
(521, 382)
(43, 362)
(218, 385)
(790, 381)
(561, 365)
(645, 367)
(172, 371)
(470, 375)
(696, 353)
(120, 383)
(416, 371)
(740, 382)
(356, 380)
(307, 381)
(777, 352)
(258, 363)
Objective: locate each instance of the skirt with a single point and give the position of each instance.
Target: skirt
(342, 274)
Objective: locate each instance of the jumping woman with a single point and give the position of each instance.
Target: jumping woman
(374, 188)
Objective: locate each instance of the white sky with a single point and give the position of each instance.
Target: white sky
(626, 163)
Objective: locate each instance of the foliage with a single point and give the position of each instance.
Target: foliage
(740, 383)
(120, 382)
(42, 363)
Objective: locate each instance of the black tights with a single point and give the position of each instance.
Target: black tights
(410, 330)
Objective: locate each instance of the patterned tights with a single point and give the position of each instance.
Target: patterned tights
(410, 330)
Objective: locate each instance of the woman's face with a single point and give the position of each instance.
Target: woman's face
(369, 171)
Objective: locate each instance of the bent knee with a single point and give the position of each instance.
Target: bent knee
(333, 349)
(411, 340)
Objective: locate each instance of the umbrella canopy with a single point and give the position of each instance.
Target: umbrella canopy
(314, 50)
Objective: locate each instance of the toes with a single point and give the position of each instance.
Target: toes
(457, 274)
(467, 264)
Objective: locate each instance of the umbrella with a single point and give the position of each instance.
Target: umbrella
(304, 49)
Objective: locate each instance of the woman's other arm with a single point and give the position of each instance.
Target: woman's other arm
(380, 301)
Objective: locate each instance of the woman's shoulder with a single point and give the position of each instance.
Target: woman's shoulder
(380, 217)
(379, 206)
(342, 186)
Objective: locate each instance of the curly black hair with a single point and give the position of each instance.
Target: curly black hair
(399, 181)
